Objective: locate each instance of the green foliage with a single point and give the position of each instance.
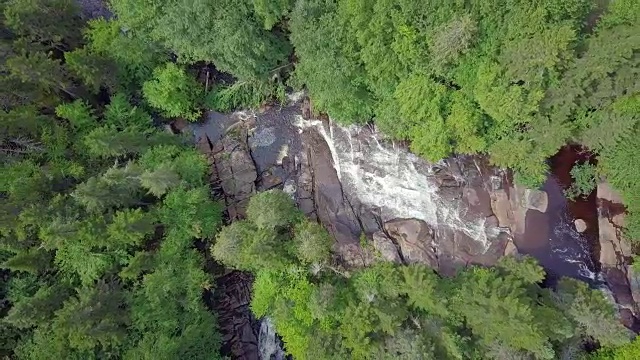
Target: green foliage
(94, 70)
(272, 12)
(191, 212)
(226, 33)
(95, 267)
(312, 242)
(134, 56)
(38, 70)
(272, 209)
(245, 94)
(592, 313)
(386, 311)
(584, 181)
(78, 114)
(629, 351)
(274, 236)
(49, 22)
(173, 92)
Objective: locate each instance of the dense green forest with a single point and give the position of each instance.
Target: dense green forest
(100, 210)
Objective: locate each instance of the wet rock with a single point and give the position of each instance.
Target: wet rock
(581, 225)
(332, 208)
(234, 170)
(263, 137)
(415, 239)
(613, 247)
(633, 278)
(536, 200)
(268, 180)
(238, 327)
(385, 246)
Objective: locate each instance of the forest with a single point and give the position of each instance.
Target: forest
(107, 221)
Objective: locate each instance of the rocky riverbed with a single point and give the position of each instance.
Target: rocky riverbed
(380, 202)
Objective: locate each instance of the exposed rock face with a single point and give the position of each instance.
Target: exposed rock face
(233, 172)
(415, 240)
(386, 247)
(320, 189)
(615, 252)
(581, 225)
(238, 327)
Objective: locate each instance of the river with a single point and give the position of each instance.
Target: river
(375, 181)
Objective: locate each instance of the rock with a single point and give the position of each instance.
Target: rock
(471, 196)
(306, 109)
(238, 327)
(633, 277)
(333, 209)
(613, 247)
(581, 225)
(415, 240)
(501, 207)
(385, 246)
(234, 169)
(536, 200)
(615, 251)
(606, 192)
(263, 137)
(510, 249)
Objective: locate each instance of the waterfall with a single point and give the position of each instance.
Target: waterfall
(269, 345)
(394, 182)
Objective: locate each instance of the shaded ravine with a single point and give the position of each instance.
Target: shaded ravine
(556, 242)
(456, 212)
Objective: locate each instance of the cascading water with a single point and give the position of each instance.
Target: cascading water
(395, 182)
(269, 345)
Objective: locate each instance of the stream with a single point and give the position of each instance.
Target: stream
(354, 181)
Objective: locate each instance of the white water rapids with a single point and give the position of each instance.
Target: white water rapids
(395, 182)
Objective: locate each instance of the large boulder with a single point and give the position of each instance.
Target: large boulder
(386, 248)
(536, 200)
(415, 239)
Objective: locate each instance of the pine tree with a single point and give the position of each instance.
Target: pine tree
(160, 181)
(594, 315)
(39, 70)
(33, 261)
(53, 23)
(95, 71)
(117, 187)
(97, 316)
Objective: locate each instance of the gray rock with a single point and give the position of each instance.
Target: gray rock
(581, 225)
(385, 246)
(536, 200)
(333, 209)
(234, 170)
(263, 137)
